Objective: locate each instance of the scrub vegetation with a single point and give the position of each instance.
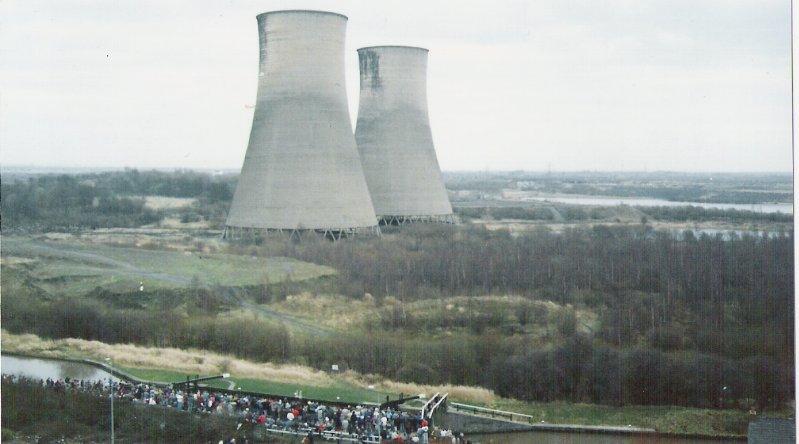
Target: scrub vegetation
(624, 318)
(630, 315)
(743, 188)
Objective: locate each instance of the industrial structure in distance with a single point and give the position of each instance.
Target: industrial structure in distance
(303, 171)
(394, 137)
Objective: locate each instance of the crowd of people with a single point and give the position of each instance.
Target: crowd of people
(314, 420)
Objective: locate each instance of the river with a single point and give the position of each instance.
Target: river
(786, 208)
(51, 368)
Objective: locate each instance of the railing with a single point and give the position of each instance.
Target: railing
(341, 436)
(328, 435)
(441, 400)
(510, 416)
(427, 404)
(539, 424)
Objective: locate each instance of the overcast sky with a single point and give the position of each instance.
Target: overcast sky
(562, 85)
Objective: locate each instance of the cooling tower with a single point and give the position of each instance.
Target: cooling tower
(394, 137)
(302, 170)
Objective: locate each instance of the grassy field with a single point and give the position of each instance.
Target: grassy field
(337, 390)
(70, 267)
(670, 419)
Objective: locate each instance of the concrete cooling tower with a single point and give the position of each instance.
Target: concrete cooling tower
(394, 137)
(302, 171)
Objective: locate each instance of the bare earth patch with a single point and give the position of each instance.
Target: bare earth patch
(167, 203)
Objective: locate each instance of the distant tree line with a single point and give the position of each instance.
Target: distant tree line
(64, 202)
(683, 187)
(700, 214)
(541, 213)
(684, 192)
(571, 213)
(181, 183)
(213, 192)
(112, 199)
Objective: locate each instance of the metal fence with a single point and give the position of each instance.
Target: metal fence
(328, 435)
(510, 416)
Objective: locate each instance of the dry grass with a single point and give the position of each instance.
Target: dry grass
(330, 310)
(148, 238)
(13, 260)
(195, 361)
(167, 203)
(174, 222)
(476, 395)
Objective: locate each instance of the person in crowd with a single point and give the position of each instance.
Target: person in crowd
(308, 418)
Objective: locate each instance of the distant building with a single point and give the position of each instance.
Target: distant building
(772, 431)
(302, 171)
(394, 137)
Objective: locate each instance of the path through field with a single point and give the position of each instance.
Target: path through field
(88, 259)
(94, 266)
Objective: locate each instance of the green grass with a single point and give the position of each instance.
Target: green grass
(75, 269)
(156, 375)
(669, 419)
(338, 392)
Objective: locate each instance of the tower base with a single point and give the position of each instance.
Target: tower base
(334, 234)
(404, 220)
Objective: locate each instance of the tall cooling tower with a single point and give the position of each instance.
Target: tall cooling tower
(302, 170)
(394, 137)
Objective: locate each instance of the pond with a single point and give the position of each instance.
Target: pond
(51, 368)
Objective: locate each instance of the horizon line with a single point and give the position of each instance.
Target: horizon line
(6, 167)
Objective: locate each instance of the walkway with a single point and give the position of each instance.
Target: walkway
(532, 423)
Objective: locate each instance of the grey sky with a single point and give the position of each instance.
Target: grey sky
(567, 85)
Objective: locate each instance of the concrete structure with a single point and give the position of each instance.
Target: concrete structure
(394, 137)
(302, 171)
(772, 431)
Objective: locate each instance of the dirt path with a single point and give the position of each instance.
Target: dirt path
(290, 320)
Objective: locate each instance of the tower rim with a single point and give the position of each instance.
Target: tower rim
(290, 11)
(394, 47)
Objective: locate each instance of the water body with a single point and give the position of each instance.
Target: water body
(786, 208)
(587, 438)
(52, 368)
